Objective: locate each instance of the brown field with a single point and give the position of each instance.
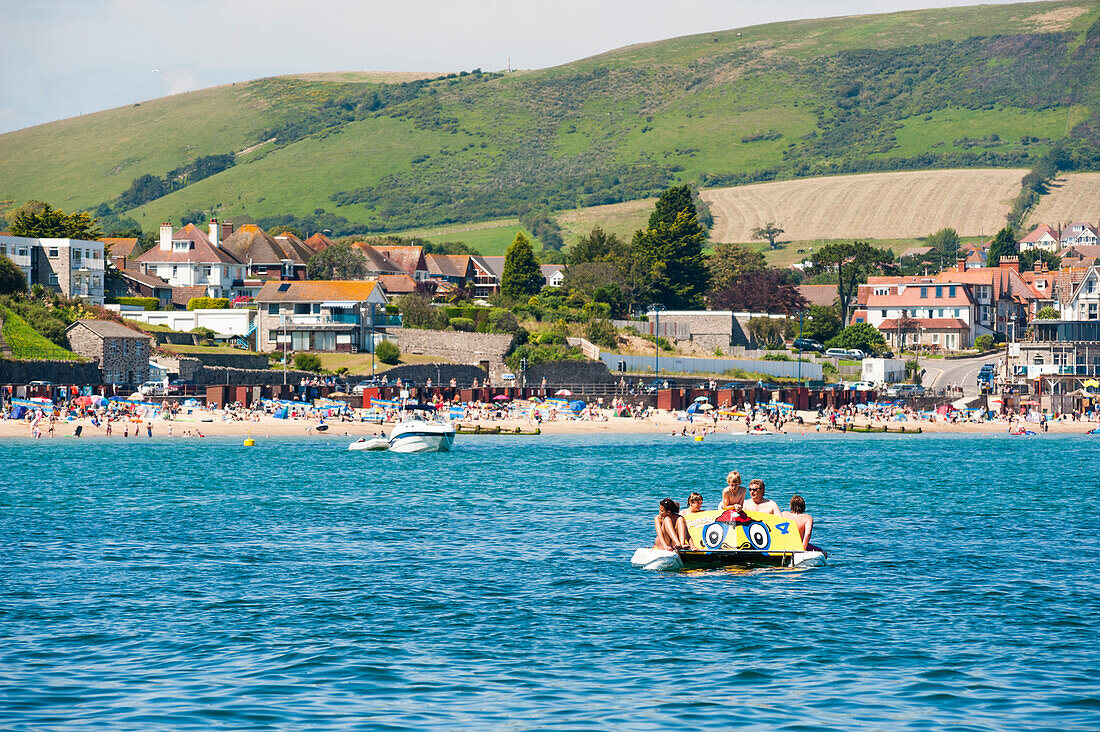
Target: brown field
(1072, 197)
(615, 218)
(897, 205)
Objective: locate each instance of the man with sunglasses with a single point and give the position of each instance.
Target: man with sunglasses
(756, 500)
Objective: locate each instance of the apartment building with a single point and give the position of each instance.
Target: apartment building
(71, 267)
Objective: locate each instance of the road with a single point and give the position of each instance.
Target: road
(941, 373)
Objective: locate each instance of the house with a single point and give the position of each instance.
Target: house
(72, 267)
(138, 284)
(320, 315)
(1040, 282)
(552, 274)
(192, 259)
(122, 353)
(1084, 300)
(486, 276)
(1079, 233)
(119, 250)
(1041, 237)
(318, 243)
(378, 264)
(457, 269)
(912, 310)
(267, 257)
(1080, 255)
(1001, 296)
(409, 259)
(402, 284)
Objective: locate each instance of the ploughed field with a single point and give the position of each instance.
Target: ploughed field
(1072, 197)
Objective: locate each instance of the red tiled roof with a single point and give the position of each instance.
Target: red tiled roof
(318, 242)
(182, 295)
(926, 323)
(316, 291)
(201, 250)
(1037, 233)
(379, 262)
(120, 247)
(818, 294)
(251, 244)
(448, 265)
(410, 259)
(399, 284)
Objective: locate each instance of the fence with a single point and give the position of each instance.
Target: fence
(669, 329)
(684, 365)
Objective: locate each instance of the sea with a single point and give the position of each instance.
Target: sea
(197, 584)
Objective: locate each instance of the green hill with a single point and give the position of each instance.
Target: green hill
(986, 86)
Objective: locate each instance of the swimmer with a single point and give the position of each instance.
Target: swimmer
(798, 516)
(695, 503)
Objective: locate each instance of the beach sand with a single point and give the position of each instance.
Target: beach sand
(212, 423)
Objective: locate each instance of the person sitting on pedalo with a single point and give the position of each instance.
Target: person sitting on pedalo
(804, 521)
(671, 528)
(756, 500)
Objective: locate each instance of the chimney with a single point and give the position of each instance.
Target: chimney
(214, 232)
(166, 237)
(960, 265)
(226, 228)
(1010, 262)
(1038, 266)
(120, 262)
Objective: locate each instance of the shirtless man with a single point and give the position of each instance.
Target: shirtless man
(801, 519)
(756, 500)
(734, 493)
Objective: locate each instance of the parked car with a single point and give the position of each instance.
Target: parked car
(905, 390)
(658, 384)
(850, 354)
(368, 384)
(152, 388)
(808, 344)
(179, 386)
(860, 386)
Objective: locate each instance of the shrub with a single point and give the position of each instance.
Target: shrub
(983, 342)
(602, 333)
(307, 362)
(146, 303)
(551, 338)
(11, 277)
(503, 321)
(1046, 313)
(387, 352)
(26, 343)
(203, 333)
(208, 303)
(776, 357)
(463, 324)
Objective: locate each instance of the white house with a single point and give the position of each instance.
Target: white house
(190, 258)
(72, 267)
(1084, 302)
(1079, 233)
(921, 310)
(1041, 237)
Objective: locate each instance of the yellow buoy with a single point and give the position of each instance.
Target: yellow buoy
(698, 438)
(249, 442)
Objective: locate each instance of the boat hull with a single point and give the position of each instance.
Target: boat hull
(665, 561)
(378, 443)
(422, 440)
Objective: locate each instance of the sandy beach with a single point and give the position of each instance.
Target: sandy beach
(214, 423)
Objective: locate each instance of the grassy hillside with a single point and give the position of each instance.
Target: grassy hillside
(986, 86)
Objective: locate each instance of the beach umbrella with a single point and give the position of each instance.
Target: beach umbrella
(1091, 384)
(692, 409)
(577, 405)
(563, 392)
(705, 407)
(500, 398)
(701, 399)
(534, 400)
(83, 401)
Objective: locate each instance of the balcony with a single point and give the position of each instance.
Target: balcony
(324, 319)
(383, 321)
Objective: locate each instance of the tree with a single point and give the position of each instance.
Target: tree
(418, 312)
(602, 333)
(522, 277)
(637, 279)
(279, 230)
(11, 277)
(1031, 256)
(1004, 245)
(673, 201)
(387, 352)
(863, 336)
(338, 262)
(1047, 313)
(851, 262)
(768, 231)
(44, 221)
(764, 291)
(730, 262)
(588, 277)
(821, 323)
(307, 362)
(674, 253)
(767, 332)
(596, 246)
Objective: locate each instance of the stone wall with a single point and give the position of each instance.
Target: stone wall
(59, 372)
(185, 367)
(440, 374)
(229, 360)
(562, 373)
(214, 375)
(459, 347)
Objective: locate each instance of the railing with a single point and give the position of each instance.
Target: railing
(669, 329)
(384, 320)
(323, 319)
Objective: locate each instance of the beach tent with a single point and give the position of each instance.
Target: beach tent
(577, 405)
(18, 412)
(563, 392)
(281, 413)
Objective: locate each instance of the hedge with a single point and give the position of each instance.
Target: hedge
(208, 303)
(145, 303)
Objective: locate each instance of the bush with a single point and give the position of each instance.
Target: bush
(541, 354)
(503, 321)
(11, 277)
(863, 336)
(551, 338)
(387, 352)
(307, 362)
(203, 333)
(26, 343)
(145, 303)
(1046, 313)
(208, 303)
(602, 333)
(463, 324)
(776, 357)
(983, 342)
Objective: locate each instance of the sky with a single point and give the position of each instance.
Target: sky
(63, 58)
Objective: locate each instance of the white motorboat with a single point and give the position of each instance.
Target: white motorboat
(420, 430)
(372, 443)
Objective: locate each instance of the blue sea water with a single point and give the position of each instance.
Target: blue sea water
(198, 584)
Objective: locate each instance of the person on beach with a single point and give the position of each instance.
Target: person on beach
(733, 495)
(798, 516)
(695, 503)
(756, 500)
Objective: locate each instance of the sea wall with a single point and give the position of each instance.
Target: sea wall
(81, 373)
(562, 373)
(453, 345)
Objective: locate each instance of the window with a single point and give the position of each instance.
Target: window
(225, 271)
(53, 279)
(175, 270)
(299, 341)
(52, 252)
(951, 291)
(882, 290)
(923, 291)
(884, 313)
(261, 270)
(324, 341)
(939, 290)
(935, 339)
(272, 335)
(273, 308)
(206, 270)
